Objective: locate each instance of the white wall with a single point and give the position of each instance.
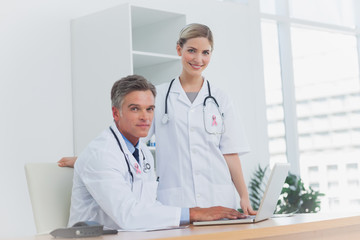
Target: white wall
(36, 98)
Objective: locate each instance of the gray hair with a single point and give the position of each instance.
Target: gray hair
(195, 30)
(127, 85)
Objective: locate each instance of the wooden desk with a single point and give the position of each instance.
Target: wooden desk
(301, 226)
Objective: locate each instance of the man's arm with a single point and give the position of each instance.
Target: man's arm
(131, 205)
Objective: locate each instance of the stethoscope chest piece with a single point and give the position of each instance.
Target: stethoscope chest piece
(147, 167)
(165, 119)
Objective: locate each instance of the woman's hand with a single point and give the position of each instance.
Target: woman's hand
(246, 207)
(67, 162)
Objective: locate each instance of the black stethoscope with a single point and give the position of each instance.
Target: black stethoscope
(147, 165)
(165, 118)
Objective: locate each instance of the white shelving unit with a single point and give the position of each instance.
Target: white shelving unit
(114, 43)
(154, 36)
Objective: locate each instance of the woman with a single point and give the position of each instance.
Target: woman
(198, 147)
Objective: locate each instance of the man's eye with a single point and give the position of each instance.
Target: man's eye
(150, 109)
(206, 52)
(134, 109)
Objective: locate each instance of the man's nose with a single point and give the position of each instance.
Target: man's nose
(144, 115)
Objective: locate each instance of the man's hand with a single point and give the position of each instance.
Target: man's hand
(246, 207)
(213, 213)
(67, 162)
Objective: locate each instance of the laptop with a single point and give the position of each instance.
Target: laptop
(268, 201)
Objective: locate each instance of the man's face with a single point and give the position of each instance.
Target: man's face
(136, 114)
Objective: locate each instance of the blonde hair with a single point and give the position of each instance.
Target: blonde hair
(195, 30)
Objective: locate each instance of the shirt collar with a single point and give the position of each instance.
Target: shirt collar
(129, 145)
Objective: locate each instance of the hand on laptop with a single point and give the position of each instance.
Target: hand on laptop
(246, 207)
(213, 213)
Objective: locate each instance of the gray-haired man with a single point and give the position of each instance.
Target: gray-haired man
(114, 177)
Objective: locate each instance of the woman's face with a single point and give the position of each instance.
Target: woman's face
(195, 55)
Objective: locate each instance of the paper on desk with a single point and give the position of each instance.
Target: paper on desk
(153, 229)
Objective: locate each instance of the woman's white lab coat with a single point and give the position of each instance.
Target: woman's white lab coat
(189, 161)
(103, 190)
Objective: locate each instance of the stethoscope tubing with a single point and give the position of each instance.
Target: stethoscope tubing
(126, 159)
(147, 165)
(167, 96)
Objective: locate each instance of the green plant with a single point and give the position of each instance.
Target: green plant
(295, 197)
(257, 186)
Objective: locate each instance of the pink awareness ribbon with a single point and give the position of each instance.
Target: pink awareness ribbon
(137, 168)
(214, 121)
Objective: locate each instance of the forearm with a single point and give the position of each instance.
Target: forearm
(237, 176)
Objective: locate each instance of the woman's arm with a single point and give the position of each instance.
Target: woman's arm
(234, 164)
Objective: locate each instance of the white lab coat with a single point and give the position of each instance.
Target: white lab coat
(102, 189)
(189, 161)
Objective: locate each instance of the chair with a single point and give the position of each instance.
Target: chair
(50, 189)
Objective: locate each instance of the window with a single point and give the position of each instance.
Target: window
(352, 166)
(318, 76)
(274, 98)
(337, 12)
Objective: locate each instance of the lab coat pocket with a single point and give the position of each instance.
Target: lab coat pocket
(224, 195)
(148, 192)
(214, 139)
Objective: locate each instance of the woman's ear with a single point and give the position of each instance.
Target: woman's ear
(178, 49)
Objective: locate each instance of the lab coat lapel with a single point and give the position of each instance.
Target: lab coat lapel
(177, 88)
(203, 93)
(134, 165)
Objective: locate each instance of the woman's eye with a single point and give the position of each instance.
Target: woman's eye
(206, 52)
(191, 50)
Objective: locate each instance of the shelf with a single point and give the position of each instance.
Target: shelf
(153, 16)
(146, 59)
(155, 31)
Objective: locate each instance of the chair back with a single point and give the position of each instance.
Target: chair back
(50, 189)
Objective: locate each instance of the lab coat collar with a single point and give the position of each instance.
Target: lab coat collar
(177, 88)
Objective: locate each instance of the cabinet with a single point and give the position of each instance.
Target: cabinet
(111, 44)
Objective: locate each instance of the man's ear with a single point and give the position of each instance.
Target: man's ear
(116, 113)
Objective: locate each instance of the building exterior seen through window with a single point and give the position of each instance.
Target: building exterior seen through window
(324, 72)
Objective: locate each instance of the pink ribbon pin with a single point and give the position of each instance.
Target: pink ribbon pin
(214, 121)
(137, 168)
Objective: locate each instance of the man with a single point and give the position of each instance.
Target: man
(114, 179)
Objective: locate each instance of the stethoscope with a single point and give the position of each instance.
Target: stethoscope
(165, 118)
(146, 165)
